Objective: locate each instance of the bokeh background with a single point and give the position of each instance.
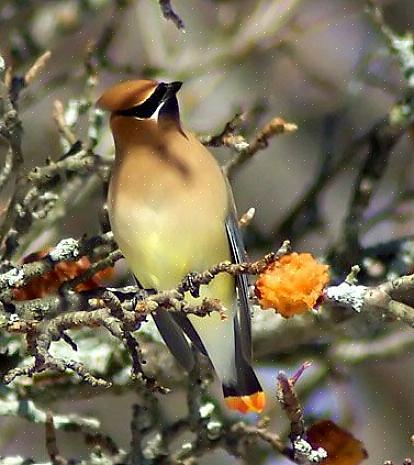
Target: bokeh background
(321, 64)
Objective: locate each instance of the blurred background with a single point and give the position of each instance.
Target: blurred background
(321, 64)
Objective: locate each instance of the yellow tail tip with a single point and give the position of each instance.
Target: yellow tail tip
(246, 404)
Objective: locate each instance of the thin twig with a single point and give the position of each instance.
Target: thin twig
(383, 138)
(51, 443)
(275, 127)
(385, 347)
(37, 67)
(64, 129)
(169, 13)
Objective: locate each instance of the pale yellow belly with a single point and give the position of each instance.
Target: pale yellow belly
(161, 247)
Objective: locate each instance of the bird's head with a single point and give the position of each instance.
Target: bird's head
(141, 99)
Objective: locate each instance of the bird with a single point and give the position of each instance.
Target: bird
(172, 213)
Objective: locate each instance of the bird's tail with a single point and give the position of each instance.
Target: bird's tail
(243, 393)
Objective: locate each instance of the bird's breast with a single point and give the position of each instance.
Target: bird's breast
(168, 204)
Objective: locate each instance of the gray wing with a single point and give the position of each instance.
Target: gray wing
(175, 339)
(171, 330)
(185, 324)
(238, 254)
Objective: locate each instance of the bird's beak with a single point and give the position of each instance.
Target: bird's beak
(172, 89)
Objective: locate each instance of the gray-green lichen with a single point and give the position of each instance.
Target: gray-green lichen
(347, 295)
(66, 249)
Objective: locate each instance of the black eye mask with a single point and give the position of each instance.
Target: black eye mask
(149, 107)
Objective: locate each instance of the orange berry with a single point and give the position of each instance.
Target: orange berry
(292, 285)
(49, 283)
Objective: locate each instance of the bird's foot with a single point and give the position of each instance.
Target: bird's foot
(138, 297)
(193, 289)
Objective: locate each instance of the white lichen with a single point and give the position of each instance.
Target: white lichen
(153, 447)
(14, 277)
(67, 249)
(404, 48)
(72, 112)
(14, 317)
(97, 120)
(18, 460)
(206, 410)
(187, 447)
(214, 429)
(347, 294)
(240, 144)
(305, 454)
(2, 65)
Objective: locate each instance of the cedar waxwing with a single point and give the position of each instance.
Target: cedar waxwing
(172, 213)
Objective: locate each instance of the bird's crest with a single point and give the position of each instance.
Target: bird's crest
(126, 95)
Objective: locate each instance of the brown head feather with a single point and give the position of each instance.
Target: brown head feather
(126, 95)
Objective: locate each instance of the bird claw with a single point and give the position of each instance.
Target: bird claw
(193, 288)
(136, 299)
